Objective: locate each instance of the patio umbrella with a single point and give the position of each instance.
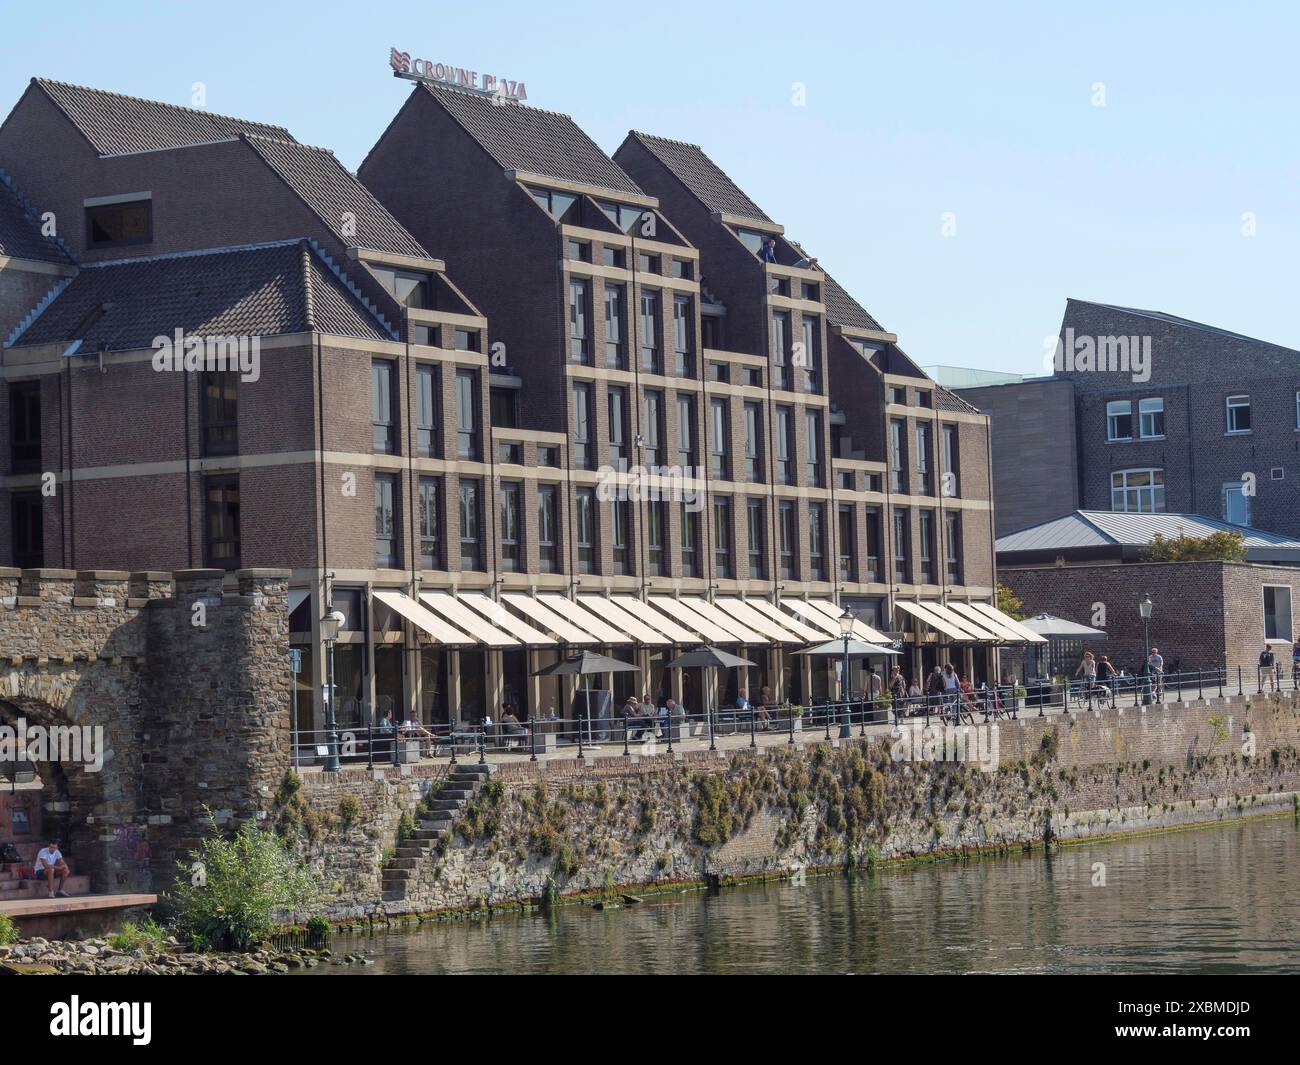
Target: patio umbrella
(857, 649)
(584, 664)
(1048, 625)
(705, 657)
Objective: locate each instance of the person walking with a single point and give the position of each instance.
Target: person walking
(1266, 663)
(1156, 667)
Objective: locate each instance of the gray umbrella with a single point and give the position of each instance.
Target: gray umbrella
(856, 649)
(585, 664)
(705, 657)
(1048, 625)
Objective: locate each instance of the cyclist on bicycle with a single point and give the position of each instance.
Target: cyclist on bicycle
(1295, 665)
(1088, 671)
(1156, 667)
(1106, 674)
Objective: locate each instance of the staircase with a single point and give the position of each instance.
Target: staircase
(459, 790)
(13, 887)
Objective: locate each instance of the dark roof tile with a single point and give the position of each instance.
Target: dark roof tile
(20, 229)
(703, 178)
(843, 310)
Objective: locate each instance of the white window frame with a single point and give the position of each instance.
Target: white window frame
(1228, 407)
(1151, 406)
(1149, 489)
(1118, 408)
(1228, 488)
(1290, 616)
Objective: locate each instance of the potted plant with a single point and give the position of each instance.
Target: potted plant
(796, 718)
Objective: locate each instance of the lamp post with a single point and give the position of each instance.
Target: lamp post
(1144, 608)
(329, 632)
(846, 631)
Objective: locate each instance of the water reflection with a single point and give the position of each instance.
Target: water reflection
(1211, 900)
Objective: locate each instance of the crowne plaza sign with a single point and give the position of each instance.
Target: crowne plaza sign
(446, 74)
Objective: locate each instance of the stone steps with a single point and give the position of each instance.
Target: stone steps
(38, 889)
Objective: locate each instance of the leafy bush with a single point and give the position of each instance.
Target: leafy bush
(148, 934)
(230, 888)
(8, 930)
(349, 810)
(405, 827)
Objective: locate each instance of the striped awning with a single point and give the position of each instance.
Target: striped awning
(861, 629)
(945, 622)
(497, 615)
(805, 632)
(447, 606)
(728, 622)
(702, 627)
(422, 617)
(629, 620)
(585, 619)
(659, 620)
(1024, 634)
(755, 619)
(547, 619)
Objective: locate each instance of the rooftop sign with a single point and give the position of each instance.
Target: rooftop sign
(458, 77)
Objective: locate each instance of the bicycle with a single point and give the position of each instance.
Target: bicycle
(1092, 696)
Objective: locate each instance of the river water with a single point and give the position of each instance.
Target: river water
(1214, 900)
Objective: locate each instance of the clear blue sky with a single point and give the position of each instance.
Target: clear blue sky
(912, 110)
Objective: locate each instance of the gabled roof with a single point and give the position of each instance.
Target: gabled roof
(843, 310)
(20, 229)
(518, 137)
(1104, 528)
(115, 124)
(701, 176)
(1173, 319)
(330, 192)
(253, 290)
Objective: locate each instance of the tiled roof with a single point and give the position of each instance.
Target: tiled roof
(703, 178)
(114, 123)
(254, 290)
(519, 137)
(330, 192)
(20, 230)
(843, 310)
(946, 400)
(1173, 319)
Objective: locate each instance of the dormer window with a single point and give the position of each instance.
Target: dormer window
(124, 220)
(751, 239)
(622, 215)
(410, 288)
(562, 206)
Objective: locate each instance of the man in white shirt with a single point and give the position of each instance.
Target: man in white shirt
(50, 863)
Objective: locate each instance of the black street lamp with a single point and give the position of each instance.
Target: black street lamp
(329, 632)
(1144, 608)
(846, 631)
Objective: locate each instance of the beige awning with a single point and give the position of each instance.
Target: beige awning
(1024, 634)
(656, 619)
(501, 618)
(861, 629)
(422, 617)
(811, 616)
(707, 631)
(966, 611)
(447, 606)
(725, 620)
(547, 619)
(624, 618)
(805, 632)
(981, 630)
(587, 620)
(943, 622)
(741, 610)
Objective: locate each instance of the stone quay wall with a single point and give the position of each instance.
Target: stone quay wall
(612, 824)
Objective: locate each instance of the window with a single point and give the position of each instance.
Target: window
(650, 331)
(584, 506)
(810, 291)
(111, 225)
(898, 395)
(467, 414)
(467, 340)
(813, 427)
(562, 206)
(923, 481)
(622, 215)
(711, 331)
(27, 522)
(753, 442)
(950, 453)
(1297, 410)
(618, 432)
(753, 241)
(786, 537)
(897, 455)
(383, 406)
(812, 353)
(424, 334)
(719, 440)
(580, 320)
(781, 349)
(927, 546)
(682, 268)
(1236, 504)
(24, 426)
(220, 412)
(621, 538)
(1277, 613)
(430, 525)
(548, 528)
(752, 376)
(1151, 417)
(615, 334)
(684, 336)
(221, 519)
(686, 457)
(583, 448)
(757, 540)
(817, 541)
(952, 545)
(409, 287)
(387, 522)
(548, 456)
(719, 371)
(613, 257)
(656, 534)
(690, 541)
(471, 549)
(785, 445)
(1238, 414)
(503, 407)
(1137, 490)
(874, 553)
(426, 410)
(848, 543)
(511, 531)
(653, 430)
(1119, 419)
(578, 250)
(902, 546)
(647, 264)
(722, 536)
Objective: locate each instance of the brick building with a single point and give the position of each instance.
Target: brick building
(526, 326)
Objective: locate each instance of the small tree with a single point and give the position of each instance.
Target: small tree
(1009, 603)
(1222, 546)
(230, 890)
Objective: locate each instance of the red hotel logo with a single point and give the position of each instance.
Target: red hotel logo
(426, 70)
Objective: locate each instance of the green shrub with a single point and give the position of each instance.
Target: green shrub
(230, 889)
(147, 934)
(349, 810)
(405, 827)
(8, 930)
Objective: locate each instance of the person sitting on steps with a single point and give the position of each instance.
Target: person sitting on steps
(49, 864)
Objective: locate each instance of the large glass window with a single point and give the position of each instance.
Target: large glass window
(115, 224)
(387, 522)
(426, 410)
(511, 532)
(902, 546)
(580, 320)
(583, 445)
(548, 529)
(618, 424)
(383, 405)
(786, 538)
(467, 414)
(927, 546)
(924, 484)
(897, 455)
(409, 287)
(1151, 417)
(650, 351)
(24, 426)
(785, 445)
(813, 426)
(430, 525)
(719, 440)
(757, 528)
(656, 535)
(653, 429)
(471, 541)
(684, 335)
(1236, 504)
(950, 459)
(621, 535)
(874, 540)
(27, 526)
(817, 541)
(615, 328)
(848, 543)
(1137, 490)
(686, 456)
(1277, 613)
(812, 353)
(221, 521)
(690, 541)
(220, 412)
(722, 536)
(952, 545)
(1119, 419)
(562, 206)
(753, 441)
(781, 349)
(584, 517)
(1238, 409)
